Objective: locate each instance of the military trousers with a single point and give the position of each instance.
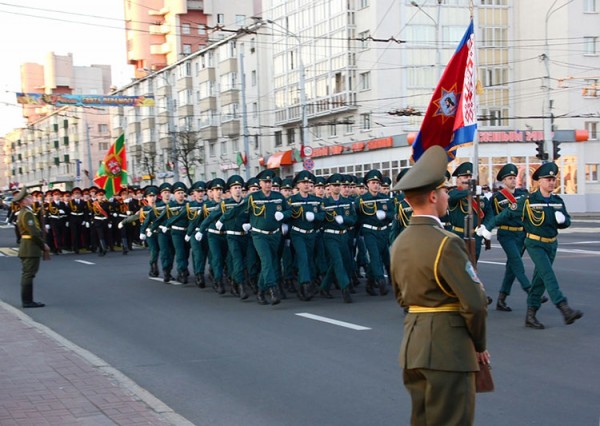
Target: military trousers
(304, 254)
(544, 278)
(237, 246)
(513, 244)
(320, 257)
(199, 255)
(336, 246)
(217, 246)
(266, 247)
(376, 243)
(182, 251)
(252, 259)
(166, 251)
(153, 248)
(30, 267)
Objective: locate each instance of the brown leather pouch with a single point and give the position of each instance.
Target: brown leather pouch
(483, 379)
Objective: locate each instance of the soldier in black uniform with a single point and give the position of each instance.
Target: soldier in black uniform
(77, 211)
(100, 220)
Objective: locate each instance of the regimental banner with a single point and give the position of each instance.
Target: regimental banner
(84, 100)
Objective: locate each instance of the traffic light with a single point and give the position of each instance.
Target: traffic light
(541, 153)
(555, 150)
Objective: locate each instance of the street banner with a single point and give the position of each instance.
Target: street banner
(84, 100)
(112, 174)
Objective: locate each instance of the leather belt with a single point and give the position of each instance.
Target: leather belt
(216, 231)
(235, 233)
(539, 238)
(458, 229)
(375, 228)
(76, 214)
(178, 228)
(260, 231)
(449, 307)
(335, 231)
(302, 231)
(54, 216)
(26, 237)
(511, 228)
(100, 218)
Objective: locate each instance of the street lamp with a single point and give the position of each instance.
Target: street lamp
(302, 84)
(436, 22)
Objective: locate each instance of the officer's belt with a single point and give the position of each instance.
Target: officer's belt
(302, 231)
(260, 231)
(178, 228)
(76, 214)
(335, 231)
(375, 228)
(511, 228)
(54, 216)
(458, 229)
(235, 233)
(216, 231)
(100, 218)
(539, 238)
(450, 307)
(26, 237)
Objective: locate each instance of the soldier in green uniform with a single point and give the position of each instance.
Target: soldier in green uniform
(320, 256)
(374, 215)
(150, 227)
(149, 207)
(445, 327)
(339, 216)
(304, 222)
(511, 234)
(175, 220)
(31, 247)
(402, 210)
(543, 213)
(199, 248)
(252, 258)
(458, 207)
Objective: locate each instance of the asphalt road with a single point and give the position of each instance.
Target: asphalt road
(218, 361)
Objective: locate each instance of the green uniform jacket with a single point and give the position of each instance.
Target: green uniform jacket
(458, 206)
(32, 243)
(433, 275)
(500, 202)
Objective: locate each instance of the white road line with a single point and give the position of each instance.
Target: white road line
(155, 279)
(576, 251)
(332, 321)
(161, 280)
(85, 262)
(491, 263)
(579, 242)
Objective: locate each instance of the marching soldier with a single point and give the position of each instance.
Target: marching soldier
(402, 211)
(56, 215)
(101, 220)
(199, 248)
(543, 213)
(175, 220)
(148, 206)
(76, 209)
(150, 227)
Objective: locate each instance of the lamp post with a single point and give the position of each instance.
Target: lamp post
(302, 84)
(436, 22)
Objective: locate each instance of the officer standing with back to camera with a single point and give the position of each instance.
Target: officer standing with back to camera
(445, 327)
(31, 247)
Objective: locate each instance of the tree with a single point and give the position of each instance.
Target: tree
(188, 152)
(149, 164)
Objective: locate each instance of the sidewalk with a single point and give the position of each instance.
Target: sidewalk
(47, 380)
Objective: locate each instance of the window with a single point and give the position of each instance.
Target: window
(589, 6)
(591, 173)
(240, 20)
(102, 128)
(364, 39)
(207, 118)
(365, 81)
(228, 81)
(333, 129)
(365, 121)
(278, 138)
(103, 146)
(185, 29)
(363, 3)
(229, 112)
(253, 78)
(590, 88)
(592, 128)
(349, 122)
(223, 147)
(184, 97)
(220, 18)
(254, 109)
(187, 49)
(291, 136)
(211, 149)
(589, 45)
(207, 89)
(201, 29)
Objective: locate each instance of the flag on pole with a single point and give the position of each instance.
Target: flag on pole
(451, 118)
(112, 174)
(241, 159)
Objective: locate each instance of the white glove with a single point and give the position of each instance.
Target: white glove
(61, 211)
(218, 225)
(478, 190)
(109, 225)
(149, 232)
(142, 236)
(482, 231)
(560, 217)
(246, 227)
(47, 227)
(115, 215)
(187, 237)
(380, 214)
(339, 219)
(198, 236)
(278, 216)
(128, 213)
(120, 225)
(127, 200)
(164, 229)
(284, 228)
(67, 224)
(87, 224)
(310, 216)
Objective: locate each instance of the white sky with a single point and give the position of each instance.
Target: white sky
(30, 30)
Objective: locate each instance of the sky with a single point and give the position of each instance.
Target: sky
(92, 30)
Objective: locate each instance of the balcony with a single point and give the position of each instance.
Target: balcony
(195, 5)
(230, 97)
(207, 74)
(185, 110)
(159, 29)
(209, 103)
(147, 123)
(133, 127)
(231, 128)
(228, 65)
(149, 148)
(210, 132)
(184, 83)
(160, 49)
(164, 142)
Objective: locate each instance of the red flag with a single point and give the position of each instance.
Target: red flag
(112, 174)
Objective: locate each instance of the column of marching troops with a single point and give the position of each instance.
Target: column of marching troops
(307, 234)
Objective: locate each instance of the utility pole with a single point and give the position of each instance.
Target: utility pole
(245, 117)
(171, 128)
(89, 154)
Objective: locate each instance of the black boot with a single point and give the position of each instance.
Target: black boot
(260, 297)
(501, 303)
(167, 277)
(221, 286)
(183, 277)
(234, 288)
(306, 290)
(570, 315)
(531, 321)
(383, 286)
(125, 246)
(200, 281)
(282, 291)
(153, 269)
(346, 295)
(326, 294)
(371, 287)
(275, 297)
(243, 292)
(289, 286)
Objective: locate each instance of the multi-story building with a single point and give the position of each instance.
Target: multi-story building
(161, 32)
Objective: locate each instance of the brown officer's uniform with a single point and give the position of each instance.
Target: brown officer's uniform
(445, 324)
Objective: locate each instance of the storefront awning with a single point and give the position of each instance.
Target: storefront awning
(284, 158)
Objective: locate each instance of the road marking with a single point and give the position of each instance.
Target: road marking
(580, 242)
(172, 282)
(576, 251)
(8, 252)
(492, 263)
(85, 262)
(155, 279)
(333, 321)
